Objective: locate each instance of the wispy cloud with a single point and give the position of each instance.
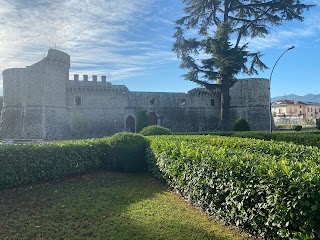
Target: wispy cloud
(117, 38)
(102, 37)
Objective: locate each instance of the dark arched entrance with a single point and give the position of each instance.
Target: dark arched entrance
(130, 124)
(152, 118)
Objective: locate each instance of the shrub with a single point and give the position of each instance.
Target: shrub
(318, 124)
(155, 130)
(241, 125)
(269, 187)
(297, 128)
(24, 164)
(129, 149)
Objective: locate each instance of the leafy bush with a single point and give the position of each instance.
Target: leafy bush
(297, 128)
(272, 188)
(155, 130)
(129, 149)
(318, 124)
(241, 125)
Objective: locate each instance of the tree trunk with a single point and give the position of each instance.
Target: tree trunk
(225, 104)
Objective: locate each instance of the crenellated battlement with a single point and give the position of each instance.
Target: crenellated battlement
(86, 78)
(84, 86)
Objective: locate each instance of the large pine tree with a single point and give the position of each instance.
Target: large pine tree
(220, 50)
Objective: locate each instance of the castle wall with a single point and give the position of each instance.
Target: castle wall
(41, 102)
(250, 100)
(106, 107)
(180, 112)
(35, 99)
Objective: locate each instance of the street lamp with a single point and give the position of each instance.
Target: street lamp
(270, 112)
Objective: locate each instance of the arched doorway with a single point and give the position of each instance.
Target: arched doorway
(130, 124)
(152, 119)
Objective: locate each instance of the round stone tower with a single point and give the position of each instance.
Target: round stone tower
(34, 104)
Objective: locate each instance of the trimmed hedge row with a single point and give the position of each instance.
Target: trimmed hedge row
(272, 188)
(302, 138)
(24, 164)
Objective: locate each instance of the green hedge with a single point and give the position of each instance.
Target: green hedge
(272, 188)
(30, 163)
(23, 164)
(129, 150)
(302, 138)
(155, 130)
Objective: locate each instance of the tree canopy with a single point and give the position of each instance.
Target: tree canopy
(219, 49)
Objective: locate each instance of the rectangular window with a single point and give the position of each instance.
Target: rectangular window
(77, 101)
(311, 109)
(308, 109)
(212, 102)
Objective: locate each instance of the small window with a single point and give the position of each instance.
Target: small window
(183, 102)
(311, 109)
(308, 109)
(300, 106)
(152, 101)
(77, 100)
(212, 102)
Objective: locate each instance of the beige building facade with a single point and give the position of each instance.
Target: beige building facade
(293, 108)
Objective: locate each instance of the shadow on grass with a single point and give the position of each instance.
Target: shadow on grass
(103, 205)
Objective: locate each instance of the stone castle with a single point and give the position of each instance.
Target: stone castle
(40, 102)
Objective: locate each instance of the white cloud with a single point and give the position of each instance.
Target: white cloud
(99, 35)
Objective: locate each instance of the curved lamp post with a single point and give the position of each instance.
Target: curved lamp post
(290, 48)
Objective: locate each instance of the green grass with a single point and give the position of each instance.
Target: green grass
(104, 205)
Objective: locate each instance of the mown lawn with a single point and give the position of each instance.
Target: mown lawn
(103, 205)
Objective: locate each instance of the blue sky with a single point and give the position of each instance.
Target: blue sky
(130, 42)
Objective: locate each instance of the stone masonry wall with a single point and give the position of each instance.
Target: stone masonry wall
(250, 100)
(41, 102)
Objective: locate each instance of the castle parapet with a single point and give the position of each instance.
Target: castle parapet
(94, 78)
(76, 77)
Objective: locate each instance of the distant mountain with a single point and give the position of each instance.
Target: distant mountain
(305, 98)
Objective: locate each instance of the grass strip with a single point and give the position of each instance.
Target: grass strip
(104, 205)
